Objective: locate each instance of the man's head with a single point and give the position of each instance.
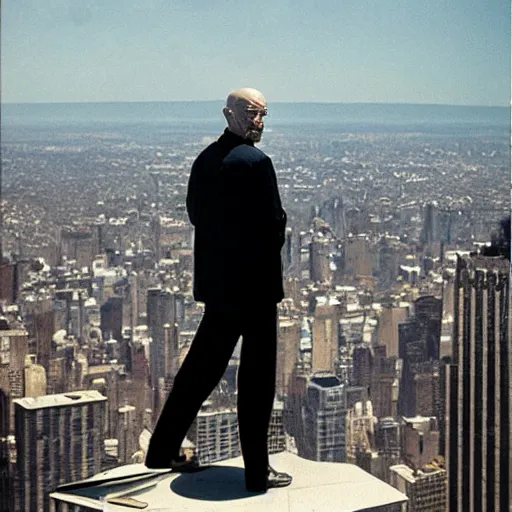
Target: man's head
(244, 112)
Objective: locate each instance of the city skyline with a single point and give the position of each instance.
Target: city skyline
(367, 52)
(96, 296)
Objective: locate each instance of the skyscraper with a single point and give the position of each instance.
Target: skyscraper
(477, 387)
(419, 348)
(426, 389)
(382, 381)
(325, 334)
(428, 311)
(59, 438)
(340, 226)
(391, 316)
(388, 257)
(287, 353)
(171, 349)
(126, 433)
(324, 413)
(112, 318)
(161, 310)
(319, 270)
(287, 252)
(363, 364)
(358, 256)
(429, 231)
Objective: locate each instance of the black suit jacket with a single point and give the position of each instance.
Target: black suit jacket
(233, 202)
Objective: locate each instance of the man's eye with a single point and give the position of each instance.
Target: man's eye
(254, 112)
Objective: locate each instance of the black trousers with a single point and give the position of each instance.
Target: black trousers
(201, 371)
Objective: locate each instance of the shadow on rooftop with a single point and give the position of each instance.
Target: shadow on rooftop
(217, 483)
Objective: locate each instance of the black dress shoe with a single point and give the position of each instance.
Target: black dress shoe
(274, 479)
(179, 464)
(182, 465)
(157, 462)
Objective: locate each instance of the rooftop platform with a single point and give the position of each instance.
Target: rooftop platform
(60, 399)
(318, 486)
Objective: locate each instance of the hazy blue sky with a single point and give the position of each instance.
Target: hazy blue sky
(399, 51)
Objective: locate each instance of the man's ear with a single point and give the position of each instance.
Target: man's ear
(228, 113)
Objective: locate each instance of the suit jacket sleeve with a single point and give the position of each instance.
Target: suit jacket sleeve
(280, 214)
(192, 193)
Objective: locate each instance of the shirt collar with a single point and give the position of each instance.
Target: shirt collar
(232, 140)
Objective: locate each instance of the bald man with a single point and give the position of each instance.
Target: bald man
(234, 204)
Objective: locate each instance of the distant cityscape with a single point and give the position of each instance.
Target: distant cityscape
(394, 335)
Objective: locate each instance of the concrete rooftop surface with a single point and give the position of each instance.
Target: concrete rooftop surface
(316, 486)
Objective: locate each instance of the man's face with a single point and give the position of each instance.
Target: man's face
(254, 124)
(249, 116)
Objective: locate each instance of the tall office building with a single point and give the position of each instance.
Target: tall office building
(428, 311)
(382, 382)
(477, 387)
(287, 251)
(426, 389)
(324, 416)
(429, 233)
(339, 224)
(127, 288)
(448, 283)
(319, 269)
(108, 379)
(161, 310)
(387, 261)
(325, 334)
(391, 316)
(126, 433)
(362, 358)
(358, 256)
(112, 318)
(171, 350)
(287, 353)
(44, 330)
(419, 349)
(38, 317)
(59, 439)
(296, 400)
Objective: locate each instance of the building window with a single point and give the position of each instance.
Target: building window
(5, 347)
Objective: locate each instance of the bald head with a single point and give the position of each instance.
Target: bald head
(247, 96)
(244, 112)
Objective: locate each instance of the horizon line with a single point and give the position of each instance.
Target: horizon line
(271, 102)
